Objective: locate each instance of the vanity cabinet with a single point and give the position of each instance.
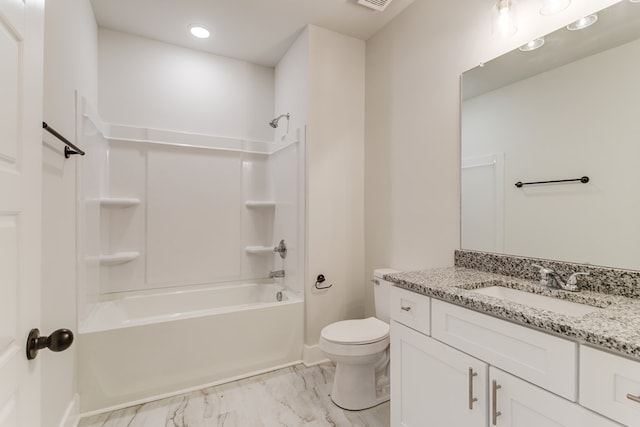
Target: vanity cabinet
(476, 370)
(543, 359)
(517, 403)
(610, 385)
(434, 384)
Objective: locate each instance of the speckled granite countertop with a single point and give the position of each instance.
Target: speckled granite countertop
(614, 326)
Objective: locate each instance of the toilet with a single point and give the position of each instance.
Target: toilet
(360, 350)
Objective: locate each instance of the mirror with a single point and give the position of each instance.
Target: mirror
(567, 110)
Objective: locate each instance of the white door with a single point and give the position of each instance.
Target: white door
(520, 404)
(433, 384)
(21, 39)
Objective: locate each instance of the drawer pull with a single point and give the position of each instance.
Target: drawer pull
(405, 308)
(494, 404)
(471, 398)
(634, 398)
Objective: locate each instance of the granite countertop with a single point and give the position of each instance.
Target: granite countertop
(615, 325)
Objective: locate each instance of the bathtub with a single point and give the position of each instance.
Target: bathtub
(139, 348)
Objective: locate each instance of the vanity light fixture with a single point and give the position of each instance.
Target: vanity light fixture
(583, 23)
(504, 20)
(551, 7)
(532, 45)
(199, 31)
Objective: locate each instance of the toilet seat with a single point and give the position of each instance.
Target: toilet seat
(356, 332)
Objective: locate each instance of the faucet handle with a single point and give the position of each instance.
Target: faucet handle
(573, 278)
(543, 270)
(544, 274)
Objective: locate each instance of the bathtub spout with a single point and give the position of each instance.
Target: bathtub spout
(276, 273)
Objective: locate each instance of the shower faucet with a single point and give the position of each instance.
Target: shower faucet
(274, 123)
(281, 249)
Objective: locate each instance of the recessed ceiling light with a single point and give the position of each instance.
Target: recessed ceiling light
(199, 31)
(583, 23)
(532, 45)
(551, 7)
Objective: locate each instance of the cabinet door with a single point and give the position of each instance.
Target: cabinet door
(610, 385)
(517, 403)
(433, 384)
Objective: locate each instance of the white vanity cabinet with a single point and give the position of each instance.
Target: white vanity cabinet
(433, 384)
(476, 370)
(517, 403)
(610, 385)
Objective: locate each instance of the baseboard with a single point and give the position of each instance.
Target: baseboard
(312, 355)
(71, 416)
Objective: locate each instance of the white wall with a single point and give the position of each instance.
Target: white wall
(320, 80)
(335, 188)
(292, 85)
(588, 128)
(413, 120)
(149, 84)
(70, 64)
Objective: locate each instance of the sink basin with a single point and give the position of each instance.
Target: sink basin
(542, 302)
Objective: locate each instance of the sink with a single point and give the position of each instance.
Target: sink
(541, 302)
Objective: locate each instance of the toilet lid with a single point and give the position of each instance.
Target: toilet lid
(361, 331)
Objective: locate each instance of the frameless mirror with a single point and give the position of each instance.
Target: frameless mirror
(567, 110)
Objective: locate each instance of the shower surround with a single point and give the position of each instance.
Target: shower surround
(167, 213)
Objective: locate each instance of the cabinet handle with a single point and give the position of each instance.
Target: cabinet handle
(404, 308)
(634, 398)
(471, 398)
(494, 404)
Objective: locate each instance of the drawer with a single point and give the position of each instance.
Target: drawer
(610, 385)
(411, 309)
(545, 360)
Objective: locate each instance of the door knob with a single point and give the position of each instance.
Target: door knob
(59, 340)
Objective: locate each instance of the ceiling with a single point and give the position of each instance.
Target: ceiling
(257, 31)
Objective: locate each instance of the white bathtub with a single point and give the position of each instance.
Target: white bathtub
(138, 348)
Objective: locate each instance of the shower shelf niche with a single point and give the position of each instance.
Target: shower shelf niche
(257, 204)
(119, 202)
(118, 258)
(259, 250)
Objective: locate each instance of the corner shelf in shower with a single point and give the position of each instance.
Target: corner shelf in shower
(118, 258)
(119, 202)
(258, 204)
(259, 250)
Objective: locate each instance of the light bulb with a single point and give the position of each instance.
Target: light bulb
(504, 20)
(532, 45)
(583, 23)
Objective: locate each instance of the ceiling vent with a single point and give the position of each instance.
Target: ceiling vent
(378, 5)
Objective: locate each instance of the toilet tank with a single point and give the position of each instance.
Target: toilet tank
(381, 293)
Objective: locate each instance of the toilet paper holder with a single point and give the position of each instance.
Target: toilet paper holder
(321, 279)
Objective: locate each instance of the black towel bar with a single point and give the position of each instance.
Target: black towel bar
(583, 180)
(67, 151)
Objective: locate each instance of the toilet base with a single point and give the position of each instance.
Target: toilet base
(357, 387)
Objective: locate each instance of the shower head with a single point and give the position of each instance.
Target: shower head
(274, 123)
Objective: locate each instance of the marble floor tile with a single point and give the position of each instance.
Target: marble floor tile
(292, 397)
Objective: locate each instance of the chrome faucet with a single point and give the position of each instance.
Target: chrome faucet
(552, 279)
(276, 273)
